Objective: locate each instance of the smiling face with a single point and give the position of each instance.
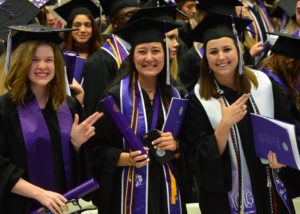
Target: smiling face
(85, 29)
(42, 68)
(222, 57)
(149, 59)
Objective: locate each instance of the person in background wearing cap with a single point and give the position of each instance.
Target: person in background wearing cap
(134, 182)
(81, 14)
(255, 36)
(103, 66)
(40, 137)
(283, 65)
(283, 16)
(218, 132)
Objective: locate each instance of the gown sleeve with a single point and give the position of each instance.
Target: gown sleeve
(9, 173)
(285, 110)
(202, 148)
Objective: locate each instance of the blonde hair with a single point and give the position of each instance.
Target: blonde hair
(17, 82)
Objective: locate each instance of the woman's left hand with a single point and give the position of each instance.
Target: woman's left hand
(80, 133)
(273, 163)
(165, 142)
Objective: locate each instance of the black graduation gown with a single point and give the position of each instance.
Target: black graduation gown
(99, 72)
(106, 151)
(13, 160)
(190, 68)
(213, 171)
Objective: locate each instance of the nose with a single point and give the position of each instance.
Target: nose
(82, 28)
(221, 55)
(42, 64)
(148, 56)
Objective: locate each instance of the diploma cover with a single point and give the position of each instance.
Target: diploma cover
(276, 136)
(175, 116)
(123, 125)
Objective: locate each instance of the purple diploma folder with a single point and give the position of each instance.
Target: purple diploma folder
(78, 192)
(175, 116)
(123, 125)
(276, 136)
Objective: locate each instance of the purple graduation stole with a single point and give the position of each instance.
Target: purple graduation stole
(38, 144)
(116, 49)
(254, 29)
(134, 198)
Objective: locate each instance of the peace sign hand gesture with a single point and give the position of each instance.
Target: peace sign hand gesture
(80, 133)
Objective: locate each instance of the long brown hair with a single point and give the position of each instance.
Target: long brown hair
(94, 43)
(17, 82)
(207, 85)
(287, 72)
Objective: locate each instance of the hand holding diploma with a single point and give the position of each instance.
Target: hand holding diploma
(273, 163)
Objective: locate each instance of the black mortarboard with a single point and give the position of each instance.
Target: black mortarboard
(32, 32)
(37, 32)
(286, 45)
(145, 30)
(285, 6)
(110, 7)
(74, 7)
(164, 13)
(16, 12)
(226, 7)
(215, 26)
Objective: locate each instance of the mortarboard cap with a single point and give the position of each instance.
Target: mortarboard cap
(146, 30)
(164, 13)
(110, 7)
(39, 3)
(285, 6)
(226, 7)
(215, 26)
(286, 45)
(72, 8)
(16, 12)
(37, 32)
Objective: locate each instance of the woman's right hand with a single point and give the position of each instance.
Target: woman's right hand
(52, 200)
(55, 202)
(235, 112)
(137, 159)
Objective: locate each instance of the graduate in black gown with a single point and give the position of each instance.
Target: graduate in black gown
(40, 135)
(133, 182)
(283, 65)
(105, 65)
(218, 132)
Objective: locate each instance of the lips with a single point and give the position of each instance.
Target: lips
(41, 74)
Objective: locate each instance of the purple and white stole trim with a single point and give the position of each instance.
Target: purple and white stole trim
(116, 49)
(135, 180)
(213, 111)
(39, 149)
